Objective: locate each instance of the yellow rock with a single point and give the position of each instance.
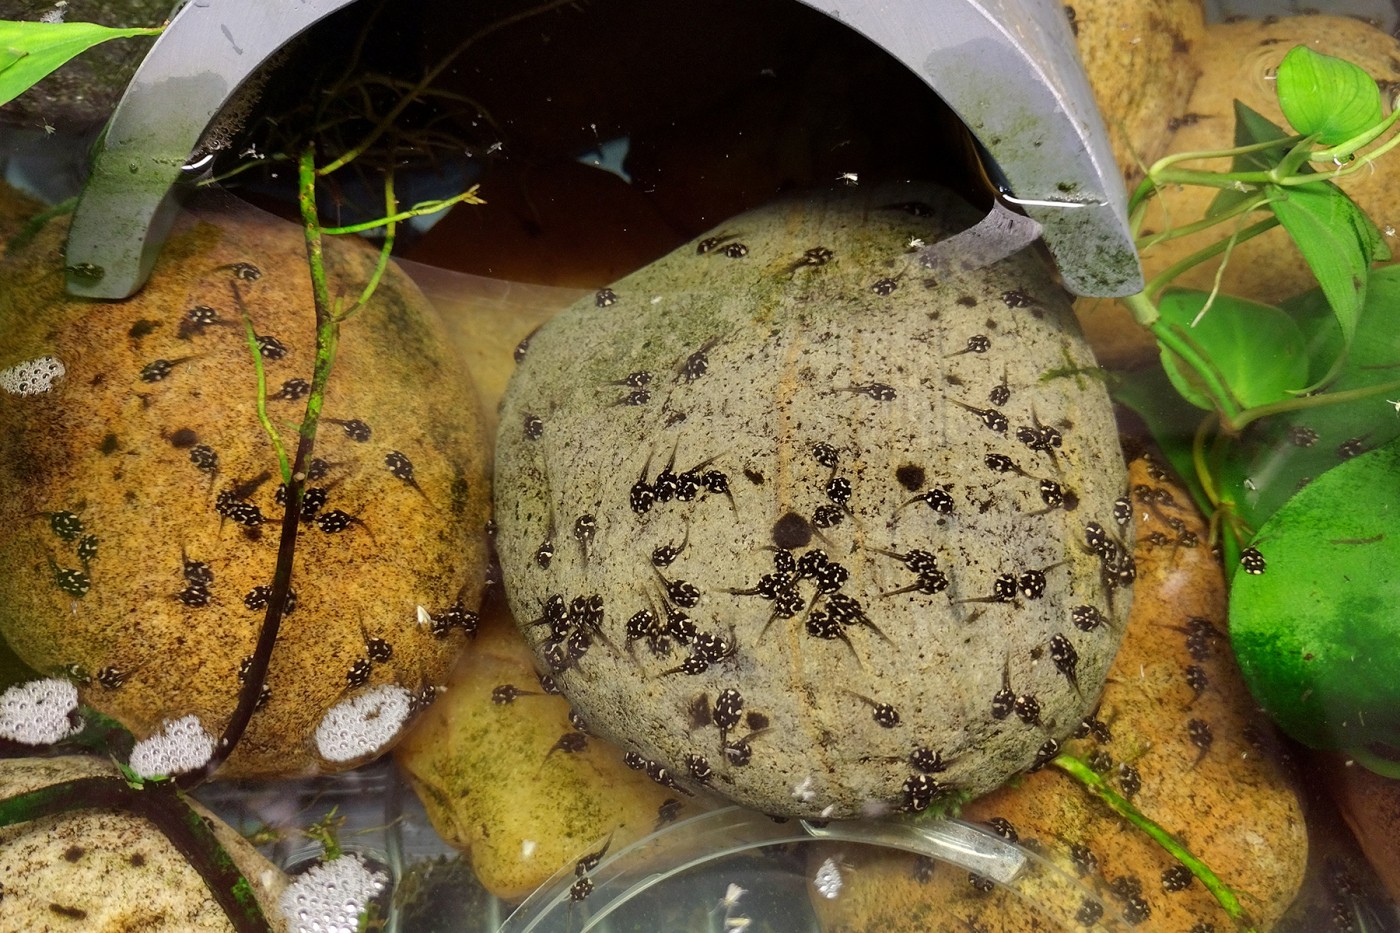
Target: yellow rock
(110, 872)
(1199, 756)
(1138, 59)
(492, 765)
(140, 492)
(1235, 60)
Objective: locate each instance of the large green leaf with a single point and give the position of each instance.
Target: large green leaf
(1256, 348)
(1317, 631)
(1326, 97)
(1338, 241)
(29, 52)
(1278, 455)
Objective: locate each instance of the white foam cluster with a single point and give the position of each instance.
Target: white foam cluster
(330, 897)
(363, 724)
(38, 712)
(180, 745)
(32, 377)
(828, 880)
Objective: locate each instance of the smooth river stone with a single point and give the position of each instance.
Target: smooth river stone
(140, 493)
(789, 515)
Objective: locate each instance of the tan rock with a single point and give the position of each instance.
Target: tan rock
(1235, 60)
(777, 512)
(492, 765)
(1138, 59)
(1224, 796)
(113, 478)
(111, 872)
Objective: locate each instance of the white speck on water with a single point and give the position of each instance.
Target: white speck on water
(527, 848)
(1388, 230)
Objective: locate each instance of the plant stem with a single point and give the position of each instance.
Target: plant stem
(261, 379)
(327, 338)
(1096, 785)
(1243, 207)
(1249, 416)
(418, 210)
(1164, 278)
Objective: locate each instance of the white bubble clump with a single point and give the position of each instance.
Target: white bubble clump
(37, 712)
(180, 745)
(330, 897)
(32, 377)
(363, 724)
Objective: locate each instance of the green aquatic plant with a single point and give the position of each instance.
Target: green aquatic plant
(30, 52)
(1275, 402)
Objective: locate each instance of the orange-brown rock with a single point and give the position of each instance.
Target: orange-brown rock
(1138, 59)
(1176, 732)
(140, 493)
(1370, 804)
(507, 777)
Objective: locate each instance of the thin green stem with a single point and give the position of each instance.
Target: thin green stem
(1243, 207)
(1356, 142)
(1204, 475)
(284, 465)
(1249, 416)
(1096, 785)
(418, 210)
(1174, 338)
(386, 249)
(1167, 161)
(1165, 277)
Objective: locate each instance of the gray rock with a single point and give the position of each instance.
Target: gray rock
(789, 517)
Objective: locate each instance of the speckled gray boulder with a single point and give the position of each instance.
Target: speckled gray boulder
(787, 516)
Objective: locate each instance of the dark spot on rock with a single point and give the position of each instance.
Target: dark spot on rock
(141, 328)
(911, 477)
(753, 476)
(183, 438)
(72, 913)
(136, 860)
(109, 445)
(73, 853)
(967, 301)
(791, 532)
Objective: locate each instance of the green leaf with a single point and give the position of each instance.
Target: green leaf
(1326, 97)
(1316, 633)
(1251, 128)
(29, 52)
(1338, 242)
(1282, 453)
(1256, 349)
